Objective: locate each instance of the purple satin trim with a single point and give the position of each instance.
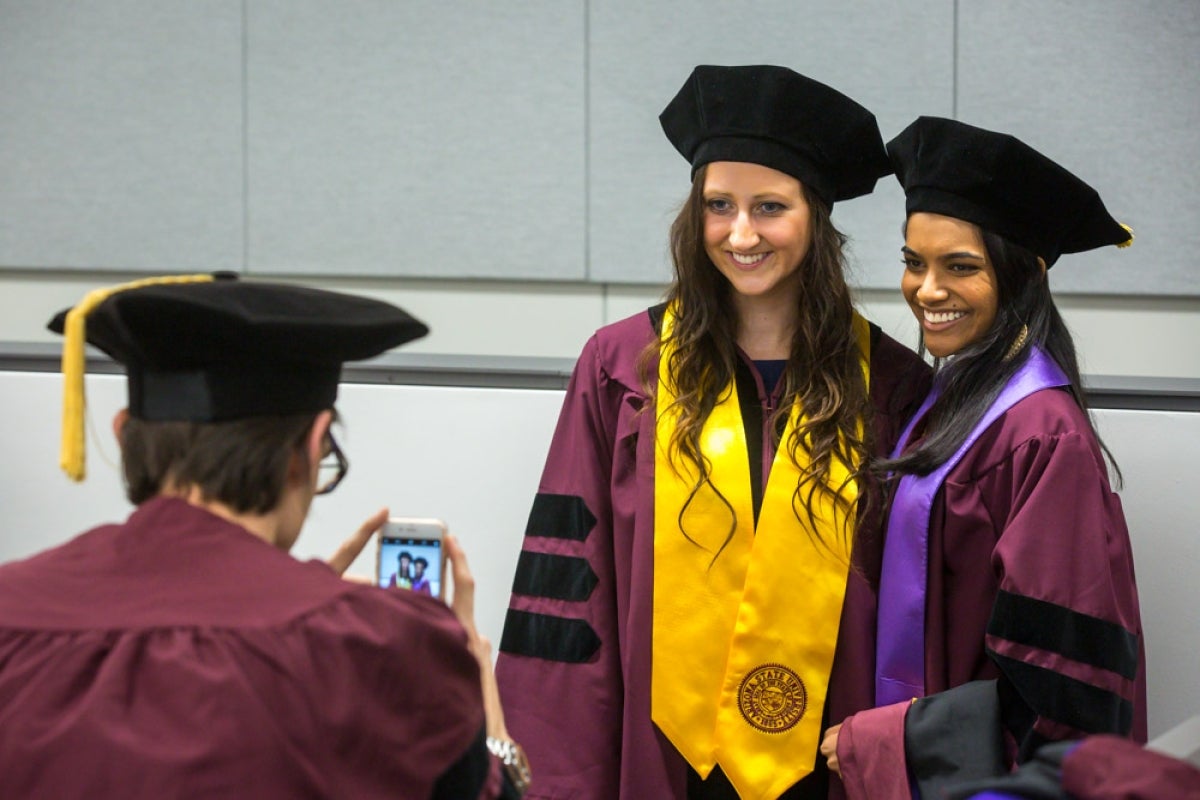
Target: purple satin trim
(900, 639)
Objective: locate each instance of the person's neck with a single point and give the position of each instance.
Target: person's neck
(264, 526)
(766, 326)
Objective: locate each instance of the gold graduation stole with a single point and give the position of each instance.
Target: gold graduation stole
(743, 642)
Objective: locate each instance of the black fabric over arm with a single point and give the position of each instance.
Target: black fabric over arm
(1039, 779)
(954, 736)
(465, 777)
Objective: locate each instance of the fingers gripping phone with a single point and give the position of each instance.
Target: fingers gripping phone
(410, 555)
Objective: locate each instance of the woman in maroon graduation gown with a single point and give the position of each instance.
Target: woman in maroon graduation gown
(675, 609)
(1007, 597)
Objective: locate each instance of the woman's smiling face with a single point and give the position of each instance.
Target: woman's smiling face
(756, 227)
(949, 282)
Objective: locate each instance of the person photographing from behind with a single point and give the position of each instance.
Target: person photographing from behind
(184, 653)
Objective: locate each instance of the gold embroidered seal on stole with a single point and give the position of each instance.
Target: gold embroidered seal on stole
(772, 698)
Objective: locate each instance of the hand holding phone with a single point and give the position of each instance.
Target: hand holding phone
(341, 560)
(411, 555)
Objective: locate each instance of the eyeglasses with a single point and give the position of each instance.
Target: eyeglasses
(332, 468)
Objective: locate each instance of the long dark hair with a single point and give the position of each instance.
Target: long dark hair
(823, 372)
(972, 380)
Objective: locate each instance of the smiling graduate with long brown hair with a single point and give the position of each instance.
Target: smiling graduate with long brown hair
(692, 599)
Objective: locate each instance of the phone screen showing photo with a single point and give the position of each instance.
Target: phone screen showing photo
(410, 562)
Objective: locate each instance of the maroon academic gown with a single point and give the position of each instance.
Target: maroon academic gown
(1101, 767)
(1109, 768)
(1031, 583)
(179, 656)
(574, 663)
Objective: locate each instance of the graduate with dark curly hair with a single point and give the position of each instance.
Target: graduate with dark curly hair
(1007, 601)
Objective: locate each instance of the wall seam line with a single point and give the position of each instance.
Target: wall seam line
(954, 65)
(587, 145)
(245, 137)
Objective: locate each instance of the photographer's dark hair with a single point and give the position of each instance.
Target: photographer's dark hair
(242, 463)
(973, 379)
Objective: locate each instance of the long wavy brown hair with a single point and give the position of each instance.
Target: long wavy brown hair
(823, 372)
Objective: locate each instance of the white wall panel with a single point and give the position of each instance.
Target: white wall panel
(417, 139)
(405, 446)
(121, 135)
(1163, 510)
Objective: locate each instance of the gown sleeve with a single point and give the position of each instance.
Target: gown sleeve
(559, 669)
(379, 697)
(1065, 628)
(1102, 767)
(1064, 633)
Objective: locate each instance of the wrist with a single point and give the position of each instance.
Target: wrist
(512, 758)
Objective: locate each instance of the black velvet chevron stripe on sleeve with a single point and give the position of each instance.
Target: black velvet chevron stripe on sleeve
(1057, 629)
(1064, 699)
(560, 516)
(552, 638)
(553, 576)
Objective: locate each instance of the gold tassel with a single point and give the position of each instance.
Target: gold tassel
(72, 452)
(1128, 241)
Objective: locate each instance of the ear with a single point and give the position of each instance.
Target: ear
(297, 469)
(1042, 264)
(316, 435)
(118, 423)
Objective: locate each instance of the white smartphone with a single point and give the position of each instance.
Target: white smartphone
(410, 555)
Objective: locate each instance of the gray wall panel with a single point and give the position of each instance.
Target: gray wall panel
(894, 59)
(1111, 90)
(521, 141)
(121, 134)
(416, 139)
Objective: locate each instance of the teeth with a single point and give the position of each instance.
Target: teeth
(943, 316)
(746, 259)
